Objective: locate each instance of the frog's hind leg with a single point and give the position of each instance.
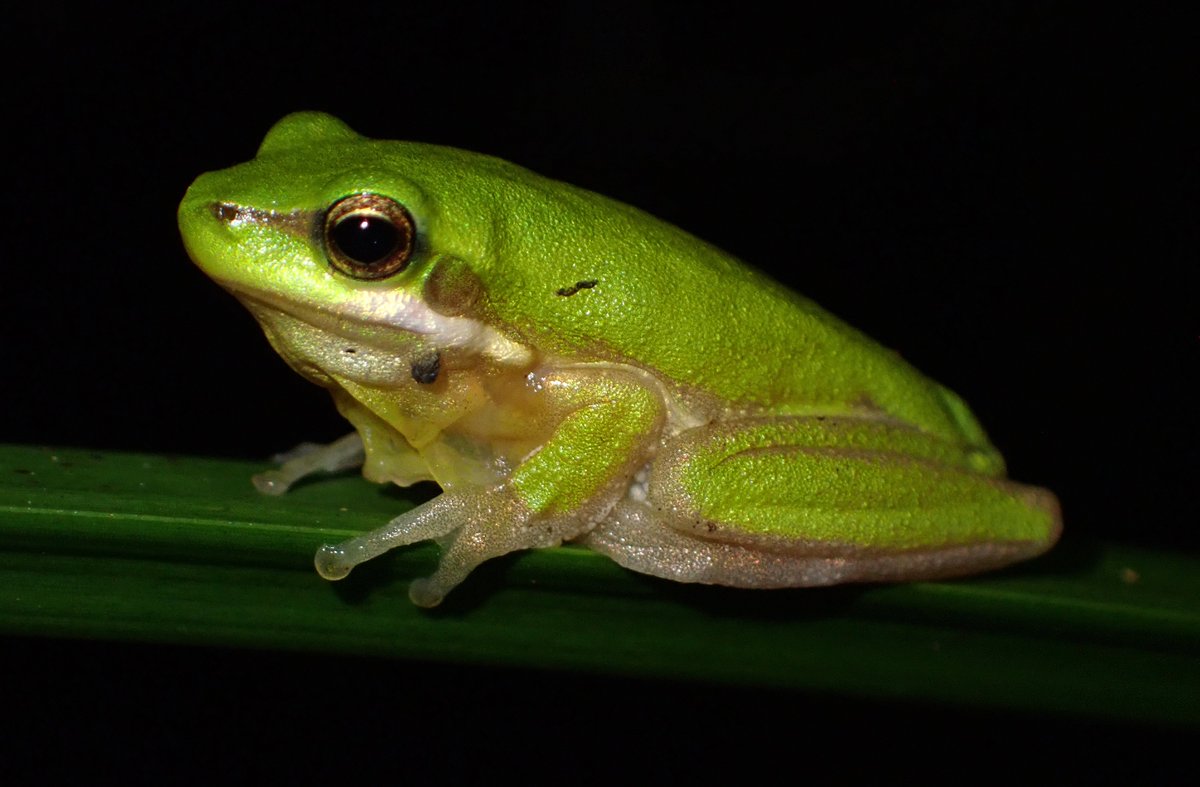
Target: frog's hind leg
(790, 502)
(638, 538)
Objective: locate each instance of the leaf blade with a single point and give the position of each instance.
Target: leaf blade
(182, 550)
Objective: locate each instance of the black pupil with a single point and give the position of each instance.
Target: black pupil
(366, 239)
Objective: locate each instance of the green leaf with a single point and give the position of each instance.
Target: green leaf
(183, 550)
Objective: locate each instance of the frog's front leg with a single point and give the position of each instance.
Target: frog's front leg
(788, 502)
(310, 459)
(606, 422)
(374, 445)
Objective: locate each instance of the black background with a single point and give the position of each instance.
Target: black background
(1004, 193)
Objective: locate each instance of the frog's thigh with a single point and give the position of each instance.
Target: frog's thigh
(790, 502)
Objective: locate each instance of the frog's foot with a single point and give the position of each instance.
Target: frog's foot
(309, 459)
(472, 527)
(432, 520)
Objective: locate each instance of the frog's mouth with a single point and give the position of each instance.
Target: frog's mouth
(375, 315)
(385, 321)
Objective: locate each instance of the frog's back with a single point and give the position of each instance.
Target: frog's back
(656, 296)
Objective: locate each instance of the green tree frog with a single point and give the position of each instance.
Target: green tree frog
(570, 369)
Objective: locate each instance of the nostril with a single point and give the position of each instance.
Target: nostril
(225, 211)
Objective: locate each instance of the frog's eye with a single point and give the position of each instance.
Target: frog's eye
(369, 236)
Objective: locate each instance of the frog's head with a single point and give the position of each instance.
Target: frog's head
(331, 240)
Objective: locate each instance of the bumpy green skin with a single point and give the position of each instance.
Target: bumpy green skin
(930, 496)
(669, 388)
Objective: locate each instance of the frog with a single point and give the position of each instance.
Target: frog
(569, 369)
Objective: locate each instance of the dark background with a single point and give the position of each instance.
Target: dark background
(1005, 193)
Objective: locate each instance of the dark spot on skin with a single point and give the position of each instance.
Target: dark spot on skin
(866, 403)
(712, 528)
(425, 370)
(567, 292)
(350, 350)
(22, 471)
